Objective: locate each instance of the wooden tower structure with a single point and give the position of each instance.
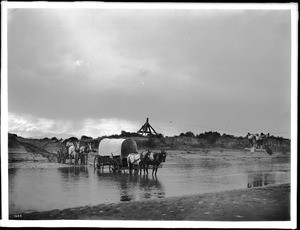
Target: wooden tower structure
(147, 128)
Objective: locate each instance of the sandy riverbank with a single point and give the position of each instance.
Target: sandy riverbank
(270, 203)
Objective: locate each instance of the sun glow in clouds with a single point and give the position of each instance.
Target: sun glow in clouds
(79, 62)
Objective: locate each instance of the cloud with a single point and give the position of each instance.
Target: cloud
(29, 126)
(75, 65)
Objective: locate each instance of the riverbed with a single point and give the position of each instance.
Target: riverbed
(42, 186)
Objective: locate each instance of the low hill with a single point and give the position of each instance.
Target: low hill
(32, 148)
(223, 142)
(47, 148)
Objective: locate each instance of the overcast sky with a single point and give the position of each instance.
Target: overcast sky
(99, 71)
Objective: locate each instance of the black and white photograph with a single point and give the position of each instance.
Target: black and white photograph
(149, 115)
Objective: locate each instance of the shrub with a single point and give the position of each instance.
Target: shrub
(85, 138)
(189, 134)
(160, 136)
(150, 143)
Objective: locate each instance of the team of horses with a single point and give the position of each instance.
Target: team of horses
(142, 161)
(258, 140)
(137, 161)
(73, 150)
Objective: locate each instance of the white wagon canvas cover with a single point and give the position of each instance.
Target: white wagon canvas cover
(117, 147)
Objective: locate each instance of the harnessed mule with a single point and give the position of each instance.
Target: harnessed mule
(73, 151)
(137, 160)
(155, 160)
(83, 153)
(62, 154)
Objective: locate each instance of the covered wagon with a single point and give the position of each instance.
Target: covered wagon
(113, 153)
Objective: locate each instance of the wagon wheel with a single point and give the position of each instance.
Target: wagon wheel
(116, 166)
(119, 170)
(97, 162)
(111, 167)
(102, 162)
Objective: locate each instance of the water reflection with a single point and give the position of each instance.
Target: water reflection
(212, 164)
(134, 187)
(151, 187)
(73, 173)
(260, 179)
(126, 193)
(45, 188)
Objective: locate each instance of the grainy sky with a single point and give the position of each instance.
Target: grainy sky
(100, 71)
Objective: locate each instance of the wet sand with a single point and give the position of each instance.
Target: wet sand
(269, 203)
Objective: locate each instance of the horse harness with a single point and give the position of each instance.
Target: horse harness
(137, 159)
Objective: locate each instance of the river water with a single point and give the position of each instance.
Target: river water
(48, 186)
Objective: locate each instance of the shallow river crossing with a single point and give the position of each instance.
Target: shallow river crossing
(48, 186)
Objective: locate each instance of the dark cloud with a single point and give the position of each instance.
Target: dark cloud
(201, 66)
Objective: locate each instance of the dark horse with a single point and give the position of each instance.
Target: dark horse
(154, 159)
(83, 153)
(62, 154)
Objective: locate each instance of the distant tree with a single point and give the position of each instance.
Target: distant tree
(124, 133)
(280, 140)
(201, 136)
(129, 134)
(85, 138)
(213, 136)
(150, 143)
(137, 135)
(182, 135)
(160, 136)
(189, 134)
(13, 134)
(210, 136)
(226, 135)
(72, 139)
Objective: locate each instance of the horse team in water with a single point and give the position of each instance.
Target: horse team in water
(142, 161)
(74, 150)
(138, 161)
